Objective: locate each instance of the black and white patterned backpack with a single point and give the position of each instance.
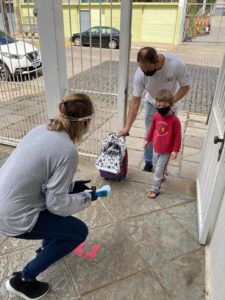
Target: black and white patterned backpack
(112, 161)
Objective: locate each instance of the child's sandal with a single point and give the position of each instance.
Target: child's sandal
(152, 195)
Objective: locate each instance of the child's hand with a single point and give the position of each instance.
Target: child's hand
(173, 155)
(145, 144)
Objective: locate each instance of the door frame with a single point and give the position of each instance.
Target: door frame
(210, 178)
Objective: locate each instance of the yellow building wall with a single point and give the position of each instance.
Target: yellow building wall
(155, 22)
(98, 15)
(158, 24)
(137, 17)
(71, 20)
(151, 22)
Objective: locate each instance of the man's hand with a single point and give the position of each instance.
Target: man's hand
(80, 186)
(180, 93)
(173, 155)
(123, 132)
(145, 144)
(131, 116)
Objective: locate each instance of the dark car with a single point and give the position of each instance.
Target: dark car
(108, 36)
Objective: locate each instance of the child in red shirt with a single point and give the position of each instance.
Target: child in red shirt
(165, 131)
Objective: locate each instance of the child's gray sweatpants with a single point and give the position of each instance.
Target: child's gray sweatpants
(160, 162)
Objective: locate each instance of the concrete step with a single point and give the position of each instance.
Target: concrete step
(172, 184)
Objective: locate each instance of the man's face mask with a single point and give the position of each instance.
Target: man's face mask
(163, 110)
(149, 73)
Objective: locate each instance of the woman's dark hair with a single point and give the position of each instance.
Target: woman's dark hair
(147, 54)
(72, 107)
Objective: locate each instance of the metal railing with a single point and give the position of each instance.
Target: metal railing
(22, 97)
(27, 101)
(93, 70)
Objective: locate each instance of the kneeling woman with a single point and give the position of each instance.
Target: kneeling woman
(35, 198)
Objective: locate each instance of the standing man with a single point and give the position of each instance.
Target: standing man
(155, 72)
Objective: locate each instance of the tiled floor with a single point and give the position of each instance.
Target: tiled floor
(148, 248)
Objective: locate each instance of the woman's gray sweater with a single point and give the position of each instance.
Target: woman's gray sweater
(37, 176)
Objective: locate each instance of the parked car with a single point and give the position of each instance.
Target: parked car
(17, 58)
(108, 36)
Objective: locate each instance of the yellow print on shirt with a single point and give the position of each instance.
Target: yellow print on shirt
(162, 129)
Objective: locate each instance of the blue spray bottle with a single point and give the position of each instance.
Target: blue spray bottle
(104, 191)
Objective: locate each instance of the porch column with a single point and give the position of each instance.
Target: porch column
(182, 9)
(124, 60)
(53, 52)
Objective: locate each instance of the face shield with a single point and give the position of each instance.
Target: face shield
(73, 119)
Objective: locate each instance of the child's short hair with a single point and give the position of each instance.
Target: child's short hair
(164, 96)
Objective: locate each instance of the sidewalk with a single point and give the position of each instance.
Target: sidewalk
(137, 248)
(144, 249)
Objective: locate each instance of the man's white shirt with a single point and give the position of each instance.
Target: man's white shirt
(171, 76)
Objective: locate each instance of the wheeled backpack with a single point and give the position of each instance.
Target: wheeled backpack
(113, 159)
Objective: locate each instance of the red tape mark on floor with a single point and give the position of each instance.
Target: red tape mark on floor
(79, 251)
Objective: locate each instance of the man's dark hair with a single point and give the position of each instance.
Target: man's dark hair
(147, 54)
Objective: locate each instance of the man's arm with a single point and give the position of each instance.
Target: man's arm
(131, 116)
(180, 93)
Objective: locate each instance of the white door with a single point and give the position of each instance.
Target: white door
(211, 173)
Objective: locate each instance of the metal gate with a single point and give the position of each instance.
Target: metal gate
(205, 22)
(210, 179)
(97, 63)
(22, 97)
(97, 67)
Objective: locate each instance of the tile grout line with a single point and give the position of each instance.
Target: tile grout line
(115, 281)
(151, 267)
(73, 280)
(182, 226)
(165, 262)
(143, 259)
(18, 250)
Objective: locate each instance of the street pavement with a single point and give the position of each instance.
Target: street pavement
(137, 248)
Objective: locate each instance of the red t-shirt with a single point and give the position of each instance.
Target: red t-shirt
(165, 133)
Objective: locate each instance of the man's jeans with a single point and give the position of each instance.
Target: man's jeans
(150, 110)
(60, 235)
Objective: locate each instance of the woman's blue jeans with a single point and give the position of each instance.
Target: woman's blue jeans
(60, 236)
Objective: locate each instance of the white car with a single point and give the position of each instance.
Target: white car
(17, 58)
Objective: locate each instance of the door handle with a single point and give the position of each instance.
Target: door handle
(218, 140)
